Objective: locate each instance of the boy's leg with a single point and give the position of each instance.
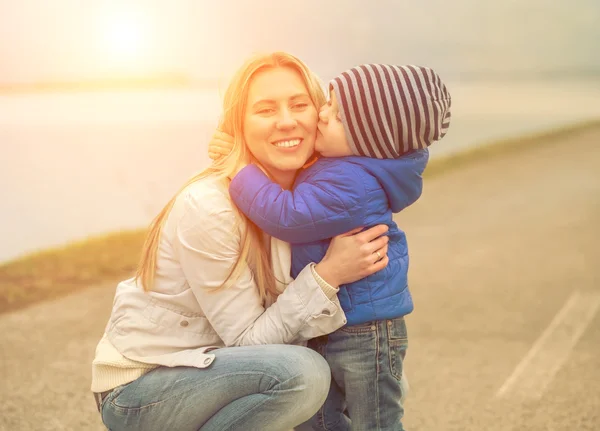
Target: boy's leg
(393, 387)
(404, 385)
(366, 361)
(332, 416)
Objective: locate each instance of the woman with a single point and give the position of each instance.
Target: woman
(204, 336)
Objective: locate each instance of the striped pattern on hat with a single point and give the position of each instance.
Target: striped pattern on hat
(389, 110)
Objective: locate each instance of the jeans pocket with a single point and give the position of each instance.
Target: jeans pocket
(397, 345)
(397, 329)
(114, 394)
(360, 328)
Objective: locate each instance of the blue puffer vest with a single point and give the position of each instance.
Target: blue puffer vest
(331, 197)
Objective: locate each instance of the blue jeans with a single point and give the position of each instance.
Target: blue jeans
(270, 387)
(366, 388)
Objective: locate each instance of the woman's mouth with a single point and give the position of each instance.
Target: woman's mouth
(289, 143)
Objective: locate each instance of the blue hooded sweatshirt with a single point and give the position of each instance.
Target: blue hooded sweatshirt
(334, 196)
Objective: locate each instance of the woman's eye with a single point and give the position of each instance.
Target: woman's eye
(300, 105)
(265, 111)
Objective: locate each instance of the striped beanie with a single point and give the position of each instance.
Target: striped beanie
(388, 111)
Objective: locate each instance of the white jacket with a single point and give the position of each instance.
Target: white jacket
(180, 320)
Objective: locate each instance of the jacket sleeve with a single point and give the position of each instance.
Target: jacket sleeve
(327, 204)
(207, 244)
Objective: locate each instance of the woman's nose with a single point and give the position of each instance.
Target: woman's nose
(286, 120)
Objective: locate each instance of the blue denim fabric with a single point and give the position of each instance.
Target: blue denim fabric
(366, 390)
(272, 387)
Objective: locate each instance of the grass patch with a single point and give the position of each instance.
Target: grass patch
(55, 272)
(443, 164)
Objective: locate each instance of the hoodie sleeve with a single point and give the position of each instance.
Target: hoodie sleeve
(330, 202)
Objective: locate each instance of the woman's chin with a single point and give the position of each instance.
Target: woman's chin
(290, 165)
(290, 162)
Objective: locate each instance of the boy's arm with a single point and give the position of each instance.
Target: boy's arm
(320, 208)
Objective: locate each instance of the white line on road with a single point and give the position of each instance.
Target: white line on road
(537, 369)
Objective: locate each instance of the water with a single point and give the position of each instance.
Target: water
(81, 164)
(486, 111)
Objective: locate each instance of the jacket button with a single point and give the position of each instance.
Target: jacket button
(184, 323)
(207, 361)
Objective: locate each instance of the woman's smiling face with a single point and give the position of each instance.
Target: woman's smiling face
(280, 122)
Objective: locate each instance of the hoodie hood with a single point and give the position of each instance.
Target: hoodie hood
(401, 178)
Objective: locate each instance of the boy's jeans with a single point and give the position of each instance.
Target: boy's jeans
(366, 388)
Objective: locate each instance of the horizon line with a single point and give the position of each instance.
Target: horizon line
(118, 83)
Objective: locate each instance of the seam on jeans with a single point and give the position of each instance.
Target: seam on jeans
(123, 409)
(234, 424)
(378, 368)
(393, 344)
(269, 396)
(321, 418)
(321, 412)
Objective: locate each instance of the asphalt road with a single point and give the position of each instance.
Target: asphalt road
(505, 273)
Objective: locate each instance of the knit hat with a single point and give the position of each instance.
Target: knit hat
(388, 110)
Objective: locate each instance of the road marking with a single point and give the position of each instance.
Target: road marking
(550, 351)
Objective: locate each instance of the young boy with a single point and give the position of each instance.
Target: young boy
(373, 138)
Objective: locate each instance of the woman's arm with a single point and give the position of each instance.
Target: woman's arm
(207, 245)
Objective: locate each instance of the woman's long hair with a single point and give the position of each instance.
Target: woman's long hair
(254, 250)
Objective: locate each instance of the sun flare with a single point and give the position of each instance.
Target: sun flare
(125, 37)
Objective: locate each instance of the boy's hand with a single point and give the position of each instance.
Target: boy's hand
(220, 145)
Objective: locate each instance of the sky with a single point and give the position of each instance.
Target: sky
(75, 40)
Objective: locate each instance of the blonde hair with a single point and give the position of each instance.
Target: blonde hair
(254, 250)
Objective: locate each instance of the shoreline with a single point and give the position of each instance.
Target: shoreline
(57, 271)
(445, 162)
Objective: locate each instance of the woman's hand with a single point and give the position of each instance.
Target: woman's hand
(220, 145)
(354, 255)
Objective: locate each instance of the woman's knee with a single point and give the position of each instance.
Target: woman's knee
(309, 376)
(317, 373)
